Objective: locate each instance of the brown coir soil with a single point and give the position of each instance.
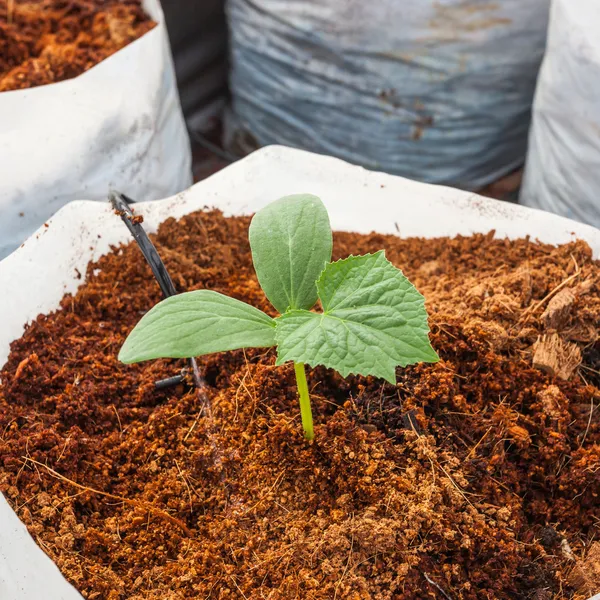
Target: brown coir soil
(477, 477)
(44, 41)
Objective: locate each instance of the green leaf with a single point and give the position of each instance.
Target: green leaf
(373, 320)
(291, 244)
(197, 323)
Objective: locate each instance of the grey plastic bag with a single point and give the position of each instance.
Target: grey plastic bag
(435, 90)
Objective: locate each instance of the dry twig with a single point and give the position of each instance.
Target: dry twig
(136, 503)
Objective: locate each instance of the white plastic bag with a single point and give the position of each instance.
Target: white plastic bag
(563, 164)
(26, 573)
(435, 90)
(38, 275)
(117, 125)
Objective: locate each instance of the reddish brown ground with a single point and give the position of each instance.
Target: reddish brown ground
(44, 41)
(478, 474)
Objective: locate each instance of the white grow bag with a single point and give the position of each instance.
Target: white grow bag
(118, 124)
(563, 162)
(44, 269)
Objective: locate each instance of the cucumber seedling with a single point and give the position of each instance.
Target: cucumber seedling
(373, 319)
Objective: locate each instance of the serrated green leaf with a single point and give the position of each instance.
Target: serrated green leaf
(291, 243)
(373, 320)
(197, 323)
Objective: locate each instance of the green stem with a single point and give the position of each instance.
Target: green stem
(305, 411)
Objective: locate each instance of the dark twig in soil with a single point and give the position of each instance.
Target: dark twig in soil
(409, 421)
(436, 586)
(478, 443)
(139, 503)
(120, 203)
(589, 421)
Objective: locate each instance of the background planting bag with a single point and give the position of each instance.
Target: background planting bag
(563, 164)
(117, 125)
(438, 91)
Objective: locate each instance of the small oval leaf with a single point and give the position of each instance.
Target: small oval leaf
(196, 323)
(291, 243)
